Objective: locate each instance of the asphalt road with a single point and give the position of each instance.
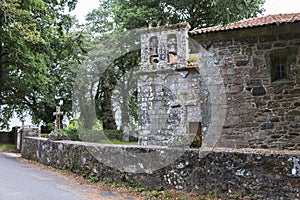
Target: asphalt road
(22, 181)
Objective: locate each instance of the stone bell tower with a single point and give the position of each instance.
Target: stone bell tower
(162, 46)
(168, 100)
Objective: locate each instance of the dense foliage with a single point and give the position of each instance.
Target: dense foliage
(37, 57)
(198, 13)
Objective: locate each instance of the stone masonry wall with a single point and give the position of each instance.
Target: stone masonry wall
(257, 174)
(167, 102)
(261, 113)
(168, 92)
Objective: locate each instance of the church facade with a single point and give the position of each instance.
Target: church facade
(229, 86)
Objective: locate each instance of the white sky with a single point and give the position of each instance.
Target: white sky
(271, 6)
(282, 6)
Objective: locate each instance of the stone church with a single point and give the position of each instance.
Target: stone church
(230, 86)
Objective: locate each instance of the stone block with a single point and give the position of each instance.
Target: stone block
(273, 105)
(246, 41)
(295, 125)
(247, 118)
(241, 63)
(258, 61)
(267, 38)
(248, 124)
(274, 119)
(294, 113)
(234, 89)
(297, 104)
(264, 46)
(254, 82)
(229, 51)
(296, 92)
(288, 36)
(266, 126)
(262, 119)
(222, 43)
(279, 44)
(258, 91)
(279, 97)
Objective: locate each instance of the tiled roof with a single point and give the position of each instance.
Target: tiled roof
(252, 22)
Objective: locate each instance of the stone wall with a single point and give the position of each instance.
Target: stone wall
(258, 174)
(168, 101)
(261, 112)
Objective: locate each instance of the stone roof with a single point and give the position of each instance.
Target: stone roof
(252, 22)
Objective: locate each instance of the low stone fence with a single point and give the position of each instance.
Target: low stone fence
(258, 174)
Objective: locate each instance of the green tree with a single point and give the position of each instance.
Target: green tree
(198, 13)
(103, 68)
(37, 58)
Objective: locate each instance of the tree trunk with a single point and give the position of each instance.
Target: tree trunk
(107, 115)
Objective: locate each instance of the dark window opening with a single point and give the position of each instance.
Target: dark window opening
(279, 68)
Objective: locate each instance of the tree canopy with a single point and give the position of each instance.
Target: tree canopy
(131, 14)
(37, 53)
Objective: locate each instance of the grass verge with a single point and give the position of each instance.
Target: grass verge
(7, 147)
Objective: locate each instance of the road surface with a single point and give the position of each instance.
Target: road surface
(19, 181)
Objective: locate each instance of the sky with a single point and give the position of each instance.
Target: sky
(271, 7)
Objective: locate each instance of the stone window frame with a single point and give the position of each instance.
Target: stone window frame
(286, 57)
(172, 55)
(154, 48)
(174, 43)
(279, 67)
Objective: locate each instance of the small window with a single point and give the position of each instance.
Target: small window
(172, 49)
(154, 58)
(153, 46)
(279, 66)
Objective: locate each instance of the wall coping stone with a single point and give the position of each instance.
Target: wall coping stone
(202, 149)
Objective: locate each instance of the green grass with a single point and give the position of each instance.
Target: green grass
(93, 179)
(7, 147)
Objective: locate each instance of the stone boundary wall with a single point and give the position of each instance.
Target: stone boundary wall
(258, 174)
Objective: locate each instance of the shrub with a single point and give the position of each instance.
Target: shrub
(193, 58)
(114, 134)
(72, 134)
(47, 128)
